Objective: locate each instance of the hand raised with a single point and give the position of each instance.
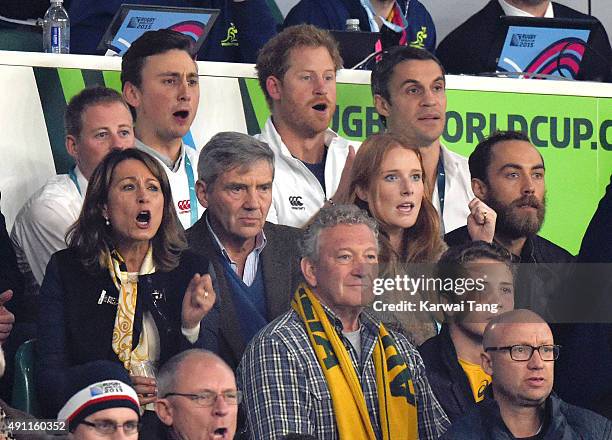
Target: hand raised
(481, 221)
(342, 192)
(199, 299)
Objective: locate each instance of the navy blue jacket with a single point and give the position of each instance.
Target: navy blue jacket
(562, 422)
(75, 327)
(447, 379)
(252, 18)
(332, 14)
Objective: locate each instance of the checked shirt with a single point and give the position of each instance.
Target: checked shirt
(285, 390)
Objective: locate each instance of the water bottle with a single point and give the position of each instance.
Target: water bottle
(56, 29)
(352, 25)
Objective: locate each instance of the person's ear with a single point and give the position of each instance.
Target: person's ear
(309, 271)
(383, 107)
(362, 194)
(132, 94)
(274, 87)
(164, 411)
(486, 363)
(201, 193)
(479, 188)
(71, 146)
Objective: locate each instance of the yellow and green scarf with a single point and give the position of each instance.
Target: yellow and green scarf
(397, 405)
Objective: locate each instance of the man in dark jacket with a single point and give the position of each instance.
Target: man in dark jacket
(508, 175)
(522, 404)
(240, 31)
(472, 49)
(256, 263)
(452, 358)
(401, 22)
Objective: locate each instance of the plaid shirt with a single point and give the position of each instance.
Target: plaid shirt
(285, 390)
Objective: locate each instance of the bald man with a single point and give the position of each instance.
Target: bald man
(519, 354)
(197, 397)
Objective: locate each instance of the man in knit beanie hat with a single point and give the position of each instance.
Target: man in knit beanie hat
(100, 402)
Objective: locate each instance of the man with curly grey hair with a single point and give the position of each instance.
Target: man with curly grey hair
(327, 367)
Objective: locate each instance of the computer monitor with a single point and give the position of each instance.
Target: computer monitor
(544, 47)
(131, 21)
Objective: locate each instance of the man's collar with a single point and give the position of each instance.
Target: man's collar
(270, 128)
(371, 323)
(493, 413)
(527, 253)
(513, 11)
(174, 166)
(81, 180)
(260, 241)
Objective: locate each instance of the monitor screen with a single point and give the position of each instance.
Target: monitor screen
(131, 21)
(555, 51)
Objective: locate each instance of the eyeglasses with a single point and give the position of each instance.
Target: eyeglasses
(523, 353)
(107, 427)
(208, 398)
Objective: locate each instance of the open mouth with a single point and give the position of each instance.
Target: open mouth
(220, 433)
(406, 207)
(143, 217)
(181, 114)
(320, 107)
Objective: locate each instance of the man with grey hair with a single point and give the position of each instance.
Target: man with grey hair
(256, 263)
(328, 368)
(197, 397)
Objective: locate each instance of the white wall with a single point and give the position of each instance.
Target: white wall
(448, 14)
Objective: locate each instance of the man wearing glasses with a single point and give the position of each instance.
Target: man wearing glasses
(520, 403)
(101, 403)
(198, 398)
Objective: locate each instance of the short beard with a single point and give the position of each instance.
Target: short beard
(510, 223)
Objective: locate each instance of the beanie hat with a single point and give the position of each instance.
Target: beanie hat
(96, 386)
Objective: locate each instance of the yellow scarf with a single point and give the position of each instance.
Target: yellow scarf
(127, 285)
(397, 405)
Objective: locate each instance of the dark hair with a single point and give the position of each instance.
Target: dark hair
(93, 239)
(452, 262)
(384, 68)
(273, 58)
(480, 159)
(228, 150)
(421, 243)
(73, 118)
(152, 43)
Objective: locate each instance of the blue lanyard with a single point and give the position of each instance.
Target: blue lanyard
(441, 183)
(193, 200)
(74, 179)
(367, 4)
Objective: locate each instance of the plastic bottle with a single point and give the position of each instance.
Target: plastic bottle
(352, 25)
(56, 29)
